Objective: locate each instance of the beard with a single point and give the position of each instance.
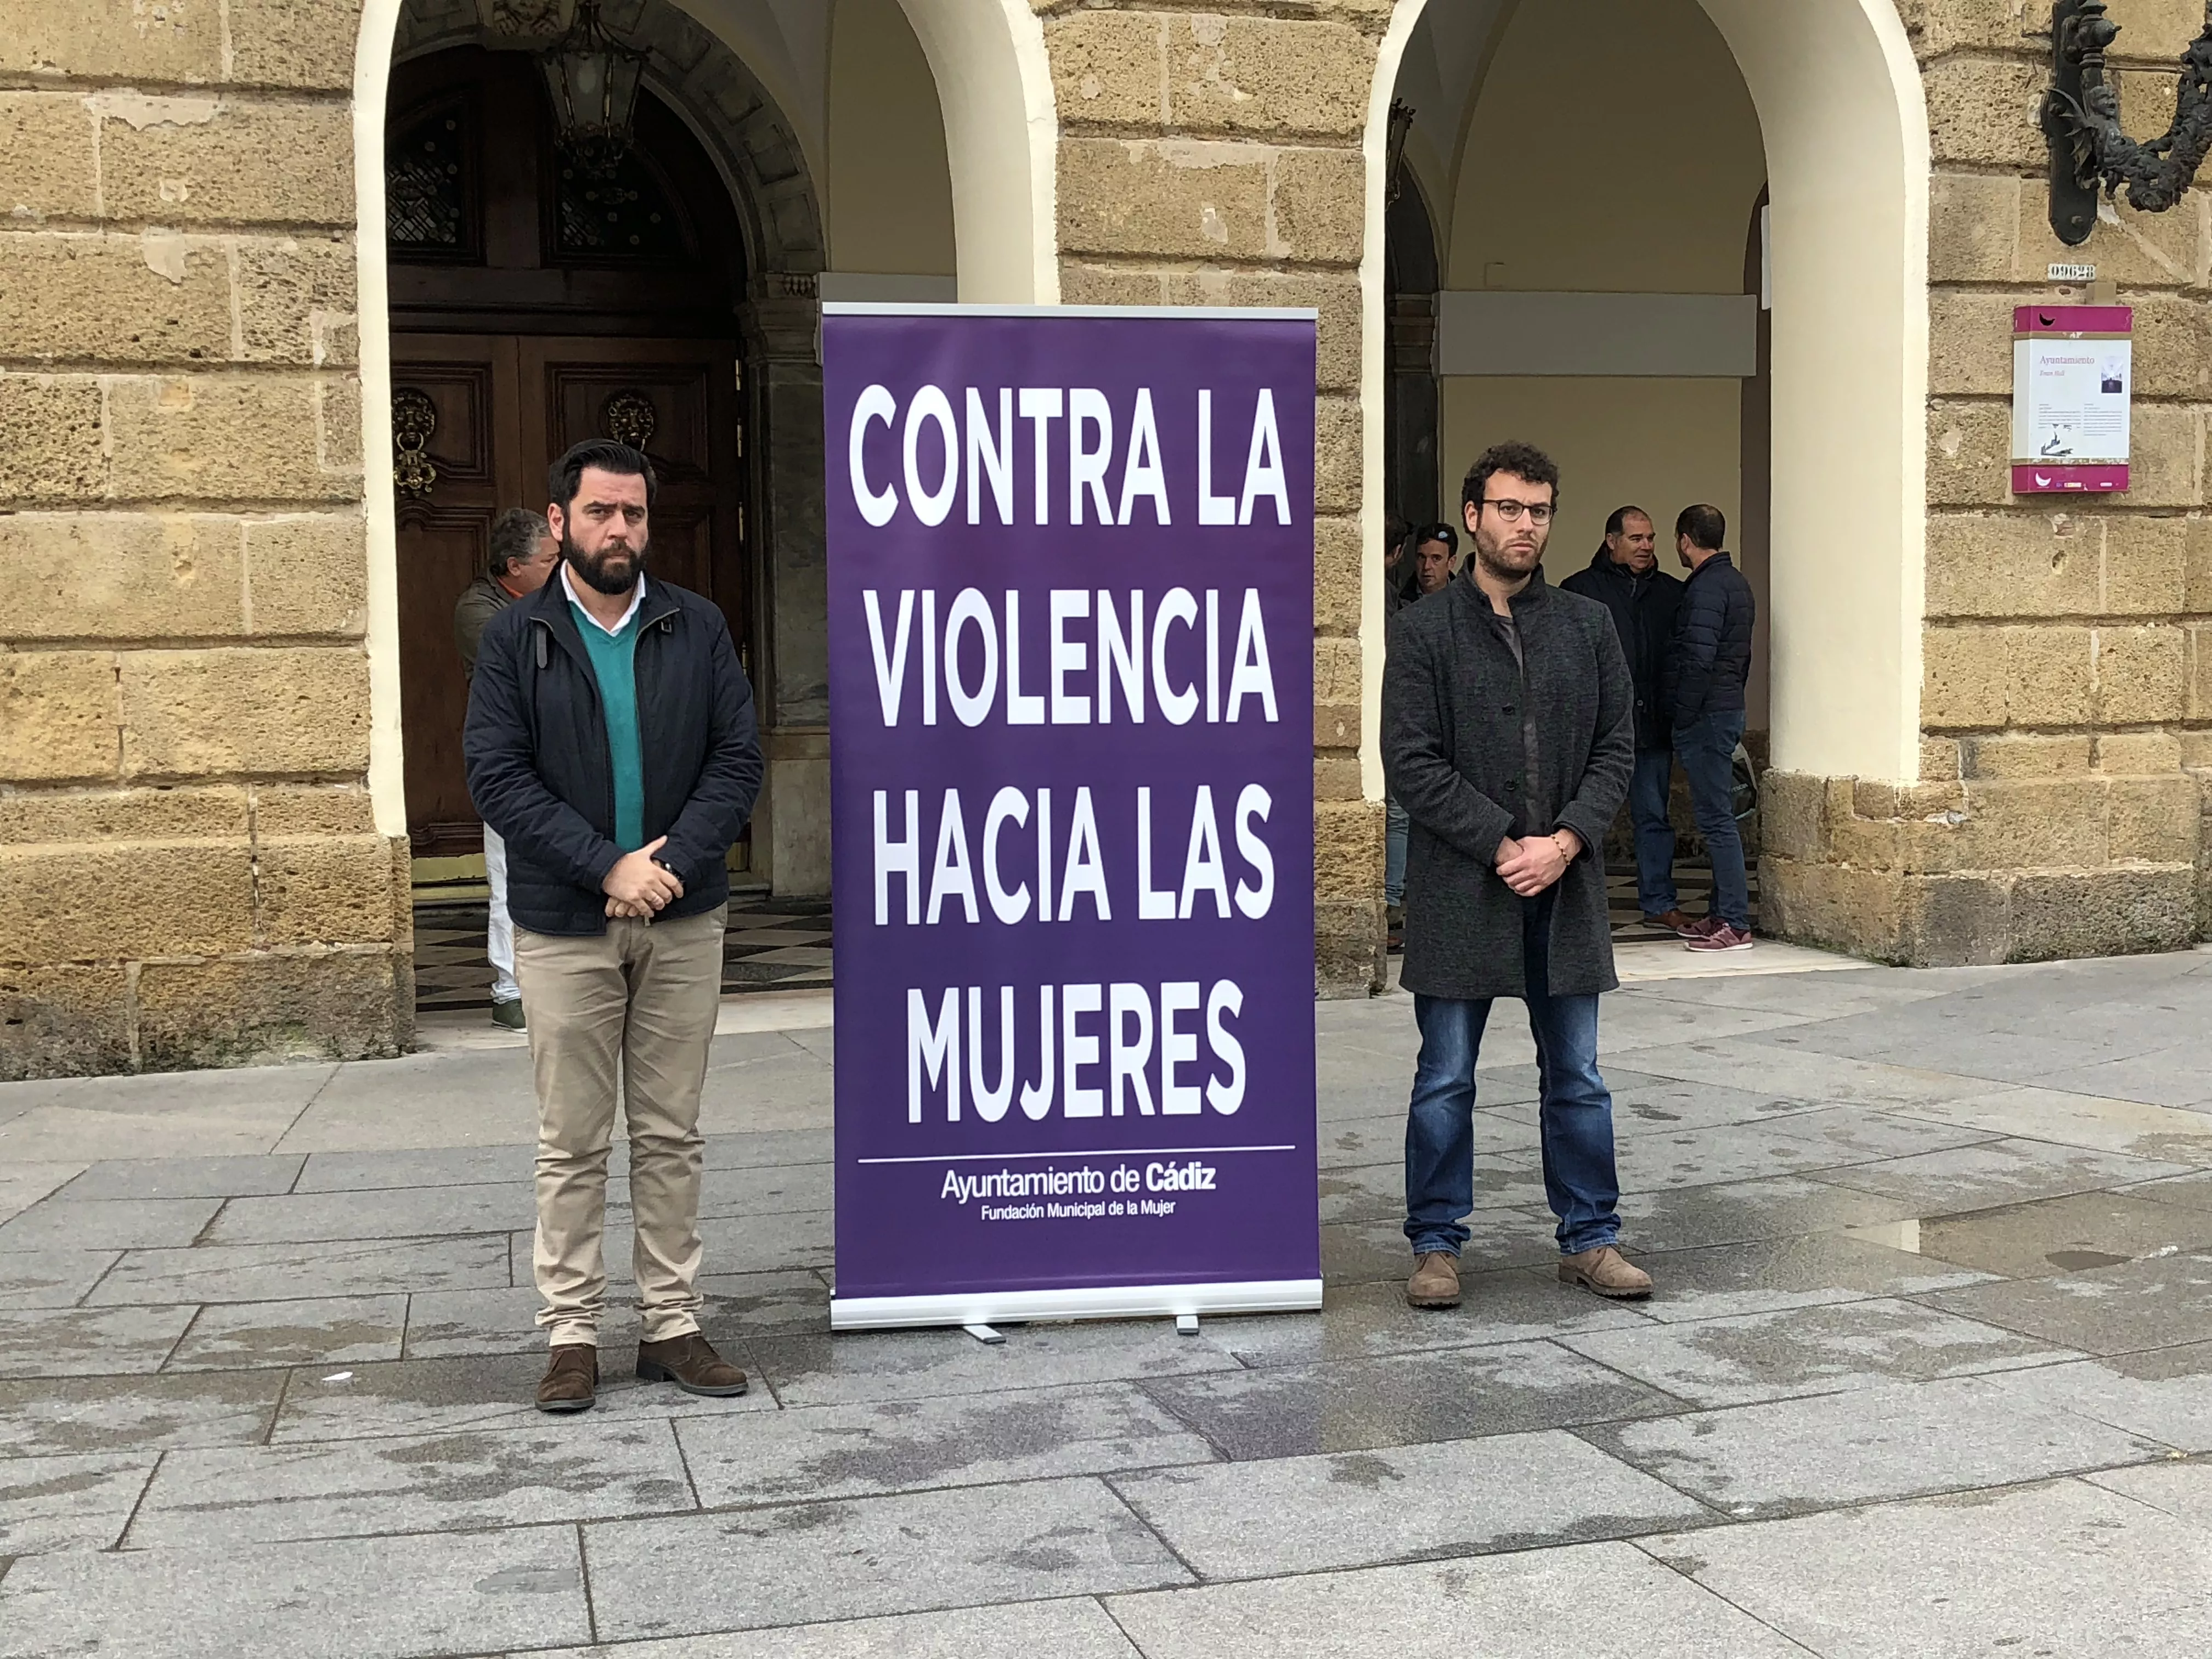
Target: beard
(1508, 560)
(611, 570)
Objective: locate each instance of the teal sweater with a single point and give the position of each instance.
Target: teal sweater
(614, 665)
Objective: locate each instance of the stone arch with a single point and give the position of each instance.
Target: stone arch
(1844, 121)
(706, 84)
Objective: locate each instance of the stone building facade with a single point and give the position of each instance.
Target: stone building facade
(203, 837)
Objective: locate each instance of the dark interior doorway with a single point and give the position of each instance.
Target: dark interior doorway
(533, 304)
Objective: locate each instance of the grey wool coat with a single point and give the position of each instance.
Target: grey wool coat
(1452, 746)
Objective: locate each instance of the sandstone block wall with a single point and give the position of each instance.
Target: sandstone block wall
(190, 872)
(1213, 158)
(2066, 707)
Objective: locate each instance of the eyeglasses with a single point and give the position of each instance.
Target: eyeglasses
(1511, 511)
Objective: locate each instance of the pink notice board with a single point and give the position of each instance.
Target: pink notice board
(2073, 379)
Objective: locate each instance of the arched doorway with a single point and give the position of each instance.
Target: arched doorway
(534, 303)
(1831, 119)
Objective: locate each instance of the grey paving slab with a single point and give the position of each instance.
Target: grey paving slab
(763, 1189)
(1719, 1156)
(860, 1368)
(2060, 1568)
(1355, 1405)
(1800, 1351)
(2159, 1132)
(1996, 1172)
(794, 1242)
(1901, 1441)
(1353, 1252)
(402, 1212)
(426, 1397)
(158, 1115)
(2159, 1302)
(761, 1148)
(482, 1098)
(802, 1564)
(23, 1183)
(1377, 1191)
(335, 1330)
(962, 1440)
(1747, 1212)
(284, 1272)
(1658, 1105)
(51, 1279)
(136, 1413)
(449, 1324)
(439, 1166)
(1023, 1630)
(1361, 1321)
(418, 1483)
(1719, 1279)
(88, 1341)
(1366, 1508)
(184, 1177)
(1594, 1601)
(379, 1598)
(2192, 1191)
(2160, 1394)
(1783, 1071)
(68, 1503)
(2074, 1233)
(1877, 1134)
(2180, 1489)
(107, 1224)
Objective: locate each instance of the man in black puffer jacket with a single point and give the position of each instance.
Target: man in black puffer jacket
(1708, 660)
(611, 743)
(1624, 577)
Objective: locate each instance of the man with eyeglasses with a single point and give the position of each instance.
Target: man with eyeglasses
(1508, 736)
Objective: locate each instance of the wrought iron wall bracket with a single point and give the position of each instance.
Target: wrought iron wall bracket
(2089, 150)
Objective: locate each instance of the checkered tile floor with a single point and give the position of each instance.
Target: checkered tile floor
(773, 945)
(1693, 890)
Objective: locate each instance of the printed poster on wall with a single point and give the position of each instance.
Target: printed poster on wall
(1071, 691)
(2073, 381)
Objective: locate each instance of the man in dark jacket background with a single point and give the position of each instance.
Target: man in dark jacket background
(611, 742)
(1624, 576)
(522, 556)
(1708, 660)
(1508, 736)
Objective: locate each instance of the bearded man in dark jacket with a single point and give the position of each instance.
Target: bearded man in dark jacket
(1624, 577)
(1508, 736)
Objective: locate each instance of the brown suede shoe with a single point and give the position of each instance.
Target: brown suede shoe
(1605, 1271)
(1678, 921)
(1435, 1283)
(691, 1364)
(571, 1382)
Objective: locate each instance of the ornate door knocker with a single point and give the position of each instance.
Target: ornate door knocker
(628, 419)
(414, 420)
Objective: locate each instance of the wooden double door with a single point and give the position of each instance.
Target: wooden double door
(491, 412)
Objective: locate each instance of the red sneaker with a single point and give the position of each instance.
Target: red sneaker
(1719, 937)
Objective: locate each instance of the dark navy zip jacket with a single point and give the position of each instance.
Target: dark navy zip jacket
(539, 774)
(1709, 658)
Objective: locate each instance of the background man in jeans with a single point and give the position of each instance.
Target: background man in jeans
(1708, 660)
(1507, 735)
(522, 555)
(1624, 577)
(612, 741)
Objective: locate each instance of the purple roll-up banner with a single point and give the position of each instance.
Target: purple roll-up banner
(1071, 749)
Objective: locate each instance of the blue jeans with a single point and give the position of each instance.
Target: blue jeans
(1707, 746)
(1396, 826)
(1647, 788)
(1576, 1113)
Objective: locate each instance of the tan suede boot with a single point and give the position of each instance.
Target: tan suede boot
(1435, 1283)
(1605, 1271)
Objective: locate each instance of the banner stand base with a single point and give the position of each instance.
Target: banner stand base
(972, 1308)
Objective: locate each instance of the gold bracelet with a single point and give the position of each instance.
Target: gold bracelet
(1557, 842)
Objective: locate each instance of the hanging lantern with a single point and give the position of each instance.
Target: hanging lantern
(593, 76)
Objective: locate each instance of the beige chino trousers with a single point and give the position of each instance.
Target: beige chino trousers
(645, 995)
